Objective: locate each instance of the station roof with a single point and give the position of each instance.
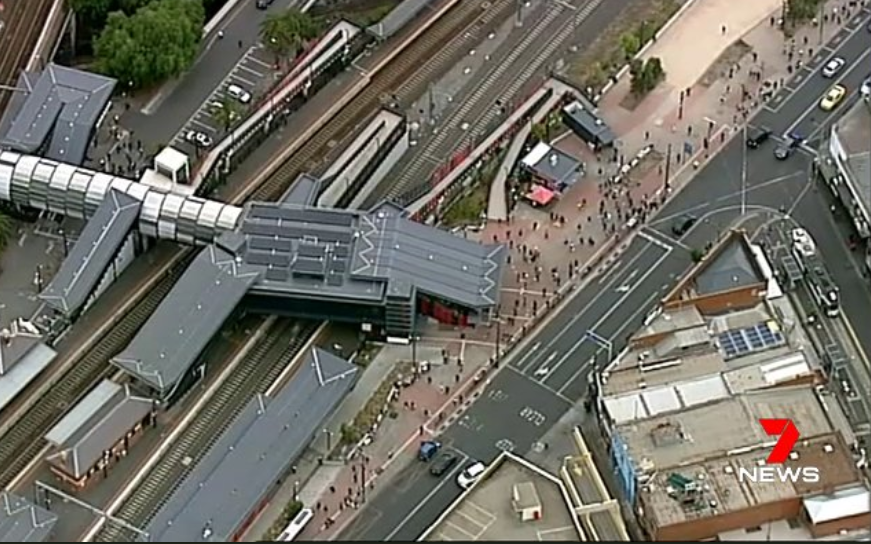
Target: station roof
(94, 425)
(397, 18)
(32, 356)
(258, 447)
(23, 521)
(303, 191)
(63, 104)
(92, 253)
(187, 319)
(366, 256)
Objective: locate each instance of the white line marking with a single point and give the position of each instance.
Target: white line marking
(529, 352)
(255, 60)
(251, 71)
(654, 240)
(202, 125)
(241, 79)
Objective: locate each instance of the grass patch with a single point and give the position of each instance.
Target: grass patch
(728, 58)
(290, 511)
(362, 13)
(471, 207)
(607, 54)
(368, 416)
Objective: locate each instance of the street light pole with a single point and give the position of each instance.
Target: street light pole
(667, 166)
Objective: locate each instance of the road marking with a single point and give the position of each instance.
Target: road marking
(241, 79)
(251, 71)
(529, 352)
(625, 287)
(654, 241)
(200, 124)
(613, 280)
(616, 264)
(542, 368)
(449, 477)
(544, 386)
(610, 312)
(670, 239)
(255, 60)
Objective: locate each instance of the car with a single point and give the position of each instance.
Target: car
(834, 66)
(786, 149)
(833, 97)
(865, 89)
(428, 450)
(239, 93)
(264, 4)
(199, 139)
(443, 463)
(683, 224)
(470, 475)
(758, 136)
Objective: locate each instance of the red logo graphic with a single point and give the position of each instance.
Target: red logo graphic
(788, 433)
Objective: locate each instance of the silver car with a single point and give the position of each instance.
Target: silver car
(835, 65)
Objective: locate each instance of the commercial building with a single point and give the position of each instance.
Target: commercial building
(97, 432)
(552, 168)
(23, 521)
(227, 489)
(680, 408)
(54, 113)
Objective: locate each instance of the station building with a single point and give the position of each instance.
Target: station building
(680, 410)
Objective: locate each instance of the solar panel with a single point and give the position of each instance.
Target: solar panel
(740, 343)
(341, 250)
(322, 217)
(312, 251)
(277, 274)
(308, 267)
(755, 339)
(339, 266)
(334, 280)
(270, 243)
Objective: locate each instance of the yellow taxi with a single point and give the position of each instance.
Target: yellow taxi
(833, 98)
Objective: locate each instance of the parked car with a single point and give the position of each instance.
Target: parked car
(239, 93)
(835, 65)
(683, 224)
(428, 450)
(263, 4)
(470, 475)
(755, 138)
(788, 147)
(199, 139)
(833, 97)
(443, 463)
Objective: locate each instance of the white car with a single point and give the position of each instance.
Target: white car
(835, 65)
(865, 89)
(239, 94)
(200, 139)
(470, 475)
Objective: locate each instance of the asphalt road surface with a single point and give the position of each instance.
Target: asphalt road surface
(539, 384)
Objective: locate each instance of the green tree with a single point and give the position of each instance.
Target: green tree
(697, 255)
(630, 43)
(539, 131)
(226, 111)
(285, 33)
(800, 11)
(91, 12)
(159, 41)
(645, 75)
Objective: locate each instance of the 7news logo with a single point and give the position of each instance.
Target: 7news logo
(774, 469)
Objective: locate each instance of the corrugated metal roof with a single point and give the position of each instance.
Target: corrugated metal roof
(187, 319)
(841, 504)
(92, 253)
(303, 191)
(107, 424)
(397, 18)
(28, 367)
(257, 449)
(22, 521)
(82, 412)
(65, 103)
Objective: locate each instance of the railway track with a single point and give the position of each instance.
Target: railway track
(23, 20)
(504, 82)
(23, 441)
(255, 374)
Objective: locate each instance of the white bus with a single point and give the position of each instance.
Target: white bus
(296, 525)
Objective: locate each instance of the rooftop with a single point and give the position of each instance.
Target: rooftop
(854, 133)
(23, 359)
(397, 18)
(187, 319)
(62, 102)
(552, 164)
(722, 492)
(708, 430)
(302, 192)
(93, 252)
(485, 511)
(94, 425)
(267, 437)
(365, 256)
(22, 521)
(584, 114)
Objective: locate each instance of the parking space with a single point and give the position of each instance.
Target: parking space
(248, 80)
(468, 522)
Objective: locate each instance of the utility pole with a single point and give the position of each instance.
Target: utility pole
(498, 338)
(431, 103)
(744, 171)
(667, 167)
(822, 20)
(518, 22)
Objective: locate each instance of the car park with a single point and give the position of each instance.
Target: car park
(239, 93)
(198, 138)
(470, 474)
(443, 463)
(835, 65)
(428, 450)
(788, 147)
(757, 137)
(833, 98)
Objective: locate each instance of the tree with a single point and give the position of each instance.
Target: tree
(538, 131)
(159, 41)
(226, 111)
(645, 75)
(630, 43)
(91, 12)
(697, 255)
(285, 33)
(800, 11)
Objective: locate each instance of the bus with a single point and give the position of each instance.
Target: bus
(823, 288)
(296, 525)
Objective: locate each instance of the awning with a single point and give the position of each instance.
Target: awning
(539, 195)
(838, 505)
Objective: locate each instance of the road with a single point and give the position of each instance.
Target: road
(539, 384)
(219, 57)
